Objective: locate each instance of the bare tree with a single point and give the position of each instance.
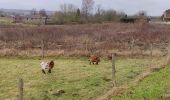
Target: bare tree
(98, 13)
(142, 14)
(68, 8)
(109, 15)
(99, 10)
(33, 11)
(87, 7)
(2, 14)
(43, 13)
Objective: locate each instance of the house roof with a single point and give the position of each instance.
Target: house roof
(166, 14)
(167, 11)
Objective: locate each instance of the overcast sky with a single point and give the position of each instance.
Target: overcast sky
(152, 7)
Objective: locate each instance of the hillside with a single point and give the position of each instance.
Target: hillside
(154, 87)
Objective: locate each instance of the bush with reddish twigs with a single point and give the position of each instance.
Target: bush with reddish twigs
(86, 39)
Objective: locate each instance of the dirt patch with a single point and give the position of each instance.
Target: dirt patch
(114, 91)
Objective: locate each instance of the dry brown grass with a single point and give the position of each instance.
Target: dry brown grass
(89, 38)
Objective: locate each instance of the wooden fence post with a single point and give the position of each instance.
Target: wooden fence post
(151, 54)
(132, 47)
(168, 55)
(42, 48)
(21, 88)
(113, 70)
(151, 50)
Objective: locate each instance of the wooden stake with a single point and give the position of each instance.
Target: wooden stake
(113, 70)
(132, 47)
(151, 50)
(42, 48)
(21, 85)
(168, 56)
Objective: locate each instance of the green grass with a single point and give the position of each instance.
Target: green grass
(5, 21)
(152, 88)
(79, 79)
(9, 21)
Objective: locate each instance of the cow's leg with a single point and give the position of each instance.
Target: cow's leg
(49, 71)
(90, 62)
(97, 63)
(43, 71)
(93, 63)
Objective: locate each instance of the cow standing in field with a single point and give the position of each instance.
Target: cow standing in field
(47, 65)
(94, 59)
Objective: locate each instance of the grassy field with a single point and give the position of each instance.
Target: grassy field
(5, 21)
(75, 76)
(154, 87)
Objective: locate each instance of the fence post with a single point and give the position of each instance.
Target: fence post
(42, 48)
(113, 70)
(151, 50)
(132, 47)
(21, 89)
(168, 56)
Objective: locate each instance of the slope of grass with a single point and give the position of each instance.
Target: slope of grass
(75, 76)
(154, 87)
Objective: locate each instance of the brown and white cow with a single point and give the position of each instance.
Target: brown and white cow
(94, 59)
(47, 65)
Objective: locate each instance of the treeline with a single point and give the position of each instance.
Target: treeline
(70, 13)
(88, 13)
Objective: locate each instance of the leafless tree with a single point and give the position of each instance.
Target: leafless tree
(109, 15)
(99, 10)
(87, 7)
(68, 8)
(142, 14)
(43, 13)
(2, 14)
(33, 11)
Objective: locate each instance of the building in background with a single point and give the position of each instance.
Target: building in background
(166, 15)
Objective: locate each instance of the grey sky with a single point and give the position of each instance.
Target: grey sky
(153, 7)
